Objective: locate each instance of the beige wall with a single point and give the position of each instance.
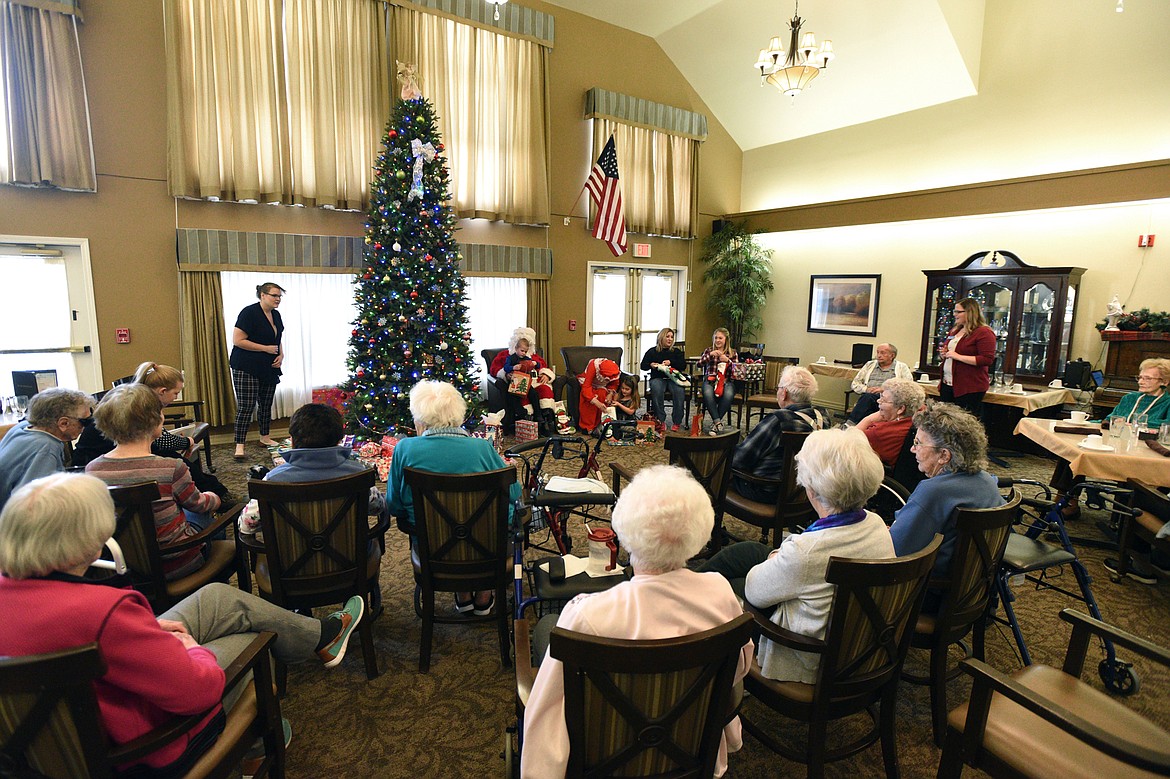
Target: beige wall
(1103, 240)
(130, 223)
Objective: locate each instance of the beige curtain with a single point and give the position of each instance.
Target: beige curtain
(204, 347)
(539, 315)
(43, 106)
(226, 102)
(338, 98)
(659, 174)
(490, 93)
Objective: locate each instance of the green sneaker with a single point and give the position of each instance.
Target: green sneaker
(350, 616)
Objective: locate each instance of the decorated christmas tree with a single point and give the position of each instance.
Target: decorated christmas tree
(412, 321)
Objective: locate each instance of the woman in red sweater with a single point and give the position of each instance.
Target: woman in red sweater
(967, 354)
(156, 668)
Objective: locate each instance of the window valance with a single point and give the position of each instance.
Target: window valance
(71, 7)
(515, 20)
(603, 104)
(202, 250)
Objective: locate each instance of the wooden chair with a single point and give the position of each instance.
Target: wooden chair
(50, 724)
(182, 413)
(317, 548)
(461, 545)
(1044, 721)
(136, 535)
(644, 708)
(765, 400)
(870, 625)
(576, 359)
(708, 459)
(966, 594)
(1155, 512)
(791, 509)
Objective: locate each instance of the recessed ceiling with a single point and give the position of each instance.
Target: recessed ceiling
(892, 57)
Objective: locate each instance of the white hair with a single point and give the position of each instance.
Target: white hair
(663, 518)
(801, 384)
(906, 394)
(527, 333)
(437, 404)
(839, 467)
(54, 523)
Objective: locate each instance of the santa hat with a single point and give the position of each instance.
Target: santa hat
(548, 373)
(608, 369)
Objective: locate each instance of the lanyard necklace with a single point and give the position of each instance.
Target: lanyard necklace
(1133, 411)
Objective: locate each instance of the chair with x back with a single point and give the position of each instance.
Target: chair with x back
(317, 549)
(648, 708)
(461, 545)
(870, 624)
(51, 726)
(136, 535)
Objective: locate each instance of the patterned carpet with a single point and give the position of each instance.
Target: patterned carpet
(450, 722)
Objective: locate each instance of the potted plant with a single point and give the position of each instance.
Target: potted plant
(738, 278)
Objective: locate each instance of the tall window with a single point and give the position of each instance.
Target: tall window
(495, 308)
(659, 175)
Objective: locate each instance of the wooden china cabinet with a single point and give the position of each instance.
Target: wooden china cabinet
(1030, 309)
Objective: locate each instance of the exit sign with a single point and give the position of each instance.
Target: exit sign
(641, 250)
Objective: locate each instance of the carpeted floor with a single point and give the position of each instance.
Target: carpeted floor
(450, 722)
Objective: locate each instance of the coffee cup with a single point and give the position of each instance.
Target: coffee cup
(1018, 389)
(1056, 384)
(1079, 416)
(821, 360)
(1092, 440)
(923, 377)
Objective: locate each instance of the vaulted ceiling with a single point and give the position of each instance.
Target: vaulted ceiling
(893, 56)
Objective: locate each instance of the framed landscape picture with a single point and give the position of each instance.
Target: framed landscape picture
(843, 304)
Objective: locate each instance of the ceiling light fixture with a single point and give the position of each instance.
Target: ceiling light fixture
(497, 4)
(792, 73)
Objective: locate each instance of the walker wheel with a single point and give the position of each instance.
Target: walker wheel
(1119, 677)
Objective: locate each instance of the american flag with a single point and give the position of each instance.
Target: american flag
(606, 193)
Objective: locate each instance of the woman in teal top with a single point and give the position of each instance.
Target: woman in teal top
(1151, 398)
(442, 446)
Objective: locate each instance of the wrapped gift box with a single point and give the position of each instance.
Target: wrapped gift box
(527, 430)
(747, 371)
(332, 396)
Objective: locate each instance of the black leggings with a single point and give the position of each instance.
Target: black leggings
(972, 401)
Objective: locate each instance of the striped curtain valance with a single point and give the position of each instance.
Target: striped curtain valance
(486, 260)
(515, 20)
(601, 103)
(241, 251)
(70, 7)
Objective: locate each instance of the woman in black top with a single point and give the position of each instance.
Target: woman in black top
(664, 354)
(256, 358)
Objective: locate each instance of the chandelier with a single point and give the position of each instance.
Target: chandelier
(804, 62)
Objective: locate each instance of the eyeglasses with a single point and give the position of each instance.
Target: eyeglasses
(273, 295)
(919, 445)
(1147, 378)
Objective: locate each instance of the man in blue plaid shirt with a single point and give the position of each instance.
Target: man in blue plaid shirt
(762, 452)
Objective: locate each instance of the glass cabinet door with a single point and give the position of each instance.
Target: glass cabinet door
(942, 319)
(996, 302)
(1035, 329)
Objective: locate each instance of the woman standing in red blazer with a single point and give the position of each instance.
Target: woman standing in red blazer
(967, 353)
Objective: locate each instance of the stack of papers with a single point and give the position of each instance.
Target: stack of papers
(581, 486)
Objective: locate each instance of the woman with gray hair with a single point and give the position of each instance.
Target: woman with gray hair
(155, 669)
(951, 449)
(840, 472)
(662, 519)
(441, 446)
(35, 447)
(888, 427)
(762, 452)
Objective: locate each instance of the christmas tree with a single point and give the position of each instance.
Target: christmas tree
(412, 321)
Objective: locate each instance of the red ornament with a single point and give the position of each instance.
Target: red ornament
(429, 258)
(440, 147)
(368, 275)
(377, 246)
(393, 133)
(354, 332)
(413, 294)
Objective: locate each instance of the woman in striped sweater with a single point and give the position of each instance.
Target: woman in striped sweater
(131, 416)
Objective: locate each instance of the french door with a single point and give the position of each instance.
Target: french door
(629, 304)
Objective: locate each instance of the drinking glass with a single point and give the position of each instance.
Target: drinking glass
(1164, 434)
(1140, 423)
(21, 404)
(1116, 425)
(999, 378)
(1009, 379)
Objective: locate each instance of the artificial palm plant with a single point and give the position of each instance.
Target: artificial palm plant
(738, 278)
